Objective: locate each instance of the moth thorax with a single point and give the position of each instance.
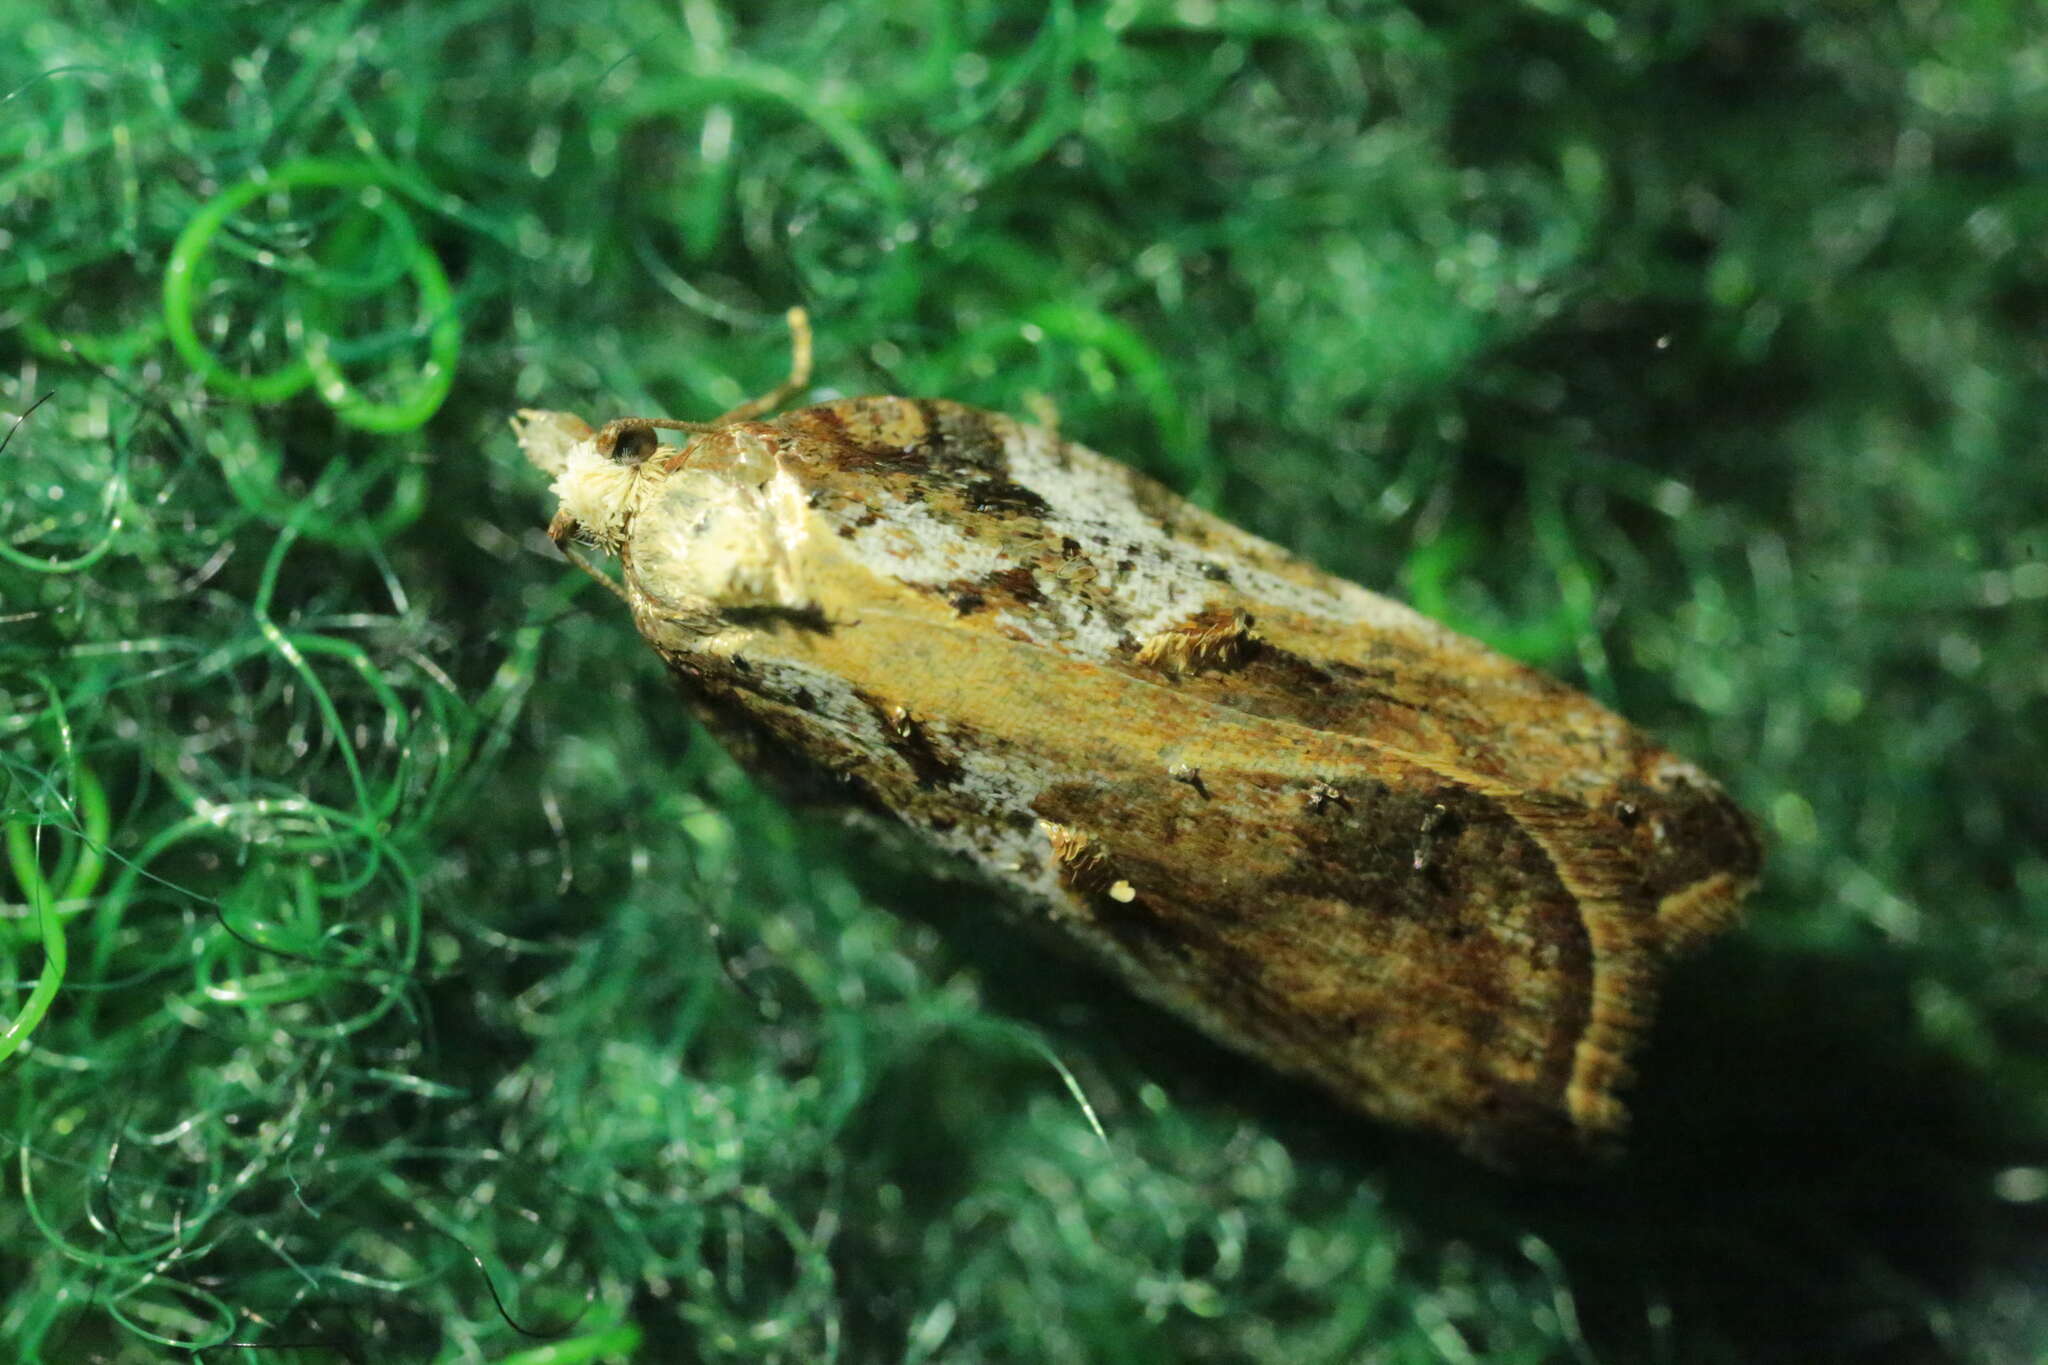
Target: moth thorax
(597, 492)
(705, 539)
(744, 453)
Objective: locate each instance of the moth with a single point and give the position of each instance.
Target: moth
(1326, 830)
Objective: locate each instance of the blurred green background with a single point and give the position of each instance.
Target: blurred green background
(391, 973)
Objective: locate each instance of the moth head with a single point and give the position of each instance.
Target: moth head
(714, 526)
(601, 476)
(596, 473)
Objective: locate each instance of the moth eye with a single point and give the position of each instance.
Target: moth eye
(633, 444)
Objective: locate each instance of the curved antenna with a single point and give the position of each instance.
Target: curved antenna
(630, 440)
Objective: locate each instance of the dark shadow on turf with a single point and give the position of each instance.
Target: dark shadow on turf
(1803, 1172)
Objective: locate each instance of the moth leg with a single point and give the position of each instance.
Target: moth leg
(1046, 413)
(562, 531)
(799, 374)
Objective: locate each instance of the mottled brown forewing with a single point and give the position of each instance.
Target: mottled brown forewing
(1331, 833)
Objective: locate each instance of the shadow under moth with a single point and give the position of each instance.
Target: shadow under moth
(1329, 832)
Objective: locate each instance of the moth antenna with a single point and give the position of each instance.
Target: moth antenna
(799, 373)
(639, 431)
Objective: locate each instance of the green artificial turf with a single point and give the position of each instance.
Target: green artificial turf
(391, 971)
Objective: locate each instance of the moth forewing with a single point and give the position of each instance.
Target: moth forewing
(1328, 831)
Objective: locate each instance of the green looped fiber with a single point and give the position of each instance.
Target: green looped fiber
(185, 278)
